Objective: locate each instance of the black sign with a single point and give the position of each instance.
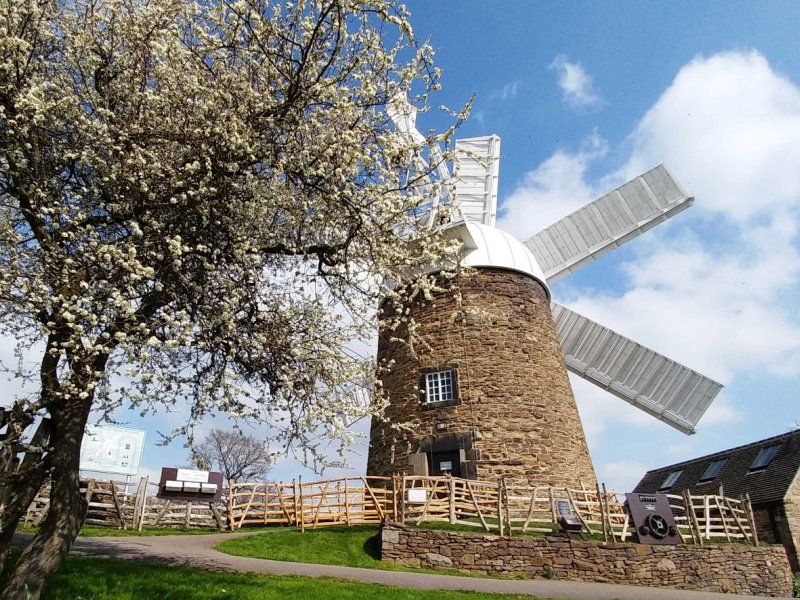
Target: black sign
(652, 517)
(170, 475)
(564, 507)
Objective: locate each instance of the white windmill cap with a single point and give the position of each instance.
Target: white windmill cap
(487, 246)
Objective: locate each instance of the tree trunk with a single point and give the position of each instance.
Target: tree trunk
(21, 489)
(21, 480)
(67, 510)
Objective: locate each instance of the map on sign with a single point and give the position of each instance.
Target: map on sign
(112, 449)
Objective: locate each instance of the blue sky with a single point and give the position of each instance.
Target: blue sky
(586, 95)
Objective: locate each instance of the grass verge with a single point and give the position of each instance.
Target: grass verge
(100, 531)
(358, 546)
(106, 579)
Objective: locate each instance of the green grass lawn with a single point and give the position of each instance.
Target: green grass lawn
(104, 579)
(100, 531)
(358, 546)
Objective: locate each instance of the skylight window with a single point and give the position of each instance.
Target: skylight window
(764, 457)
(713, 470)
(670, 480)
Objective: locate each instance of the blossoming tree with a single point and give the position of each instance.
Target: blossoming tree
(200, 201)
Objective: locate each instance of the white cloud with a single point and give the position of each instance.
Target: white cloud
(717, 288)
(552, 190)
(718, 310)
(575, 83)
(721, 412)
(620, 476)
(506, 92)
(729, 128)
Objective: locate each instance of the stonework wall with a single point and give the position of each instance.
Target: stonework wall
(789, 525)
(517, 415)
(731, 568)
(764, 528)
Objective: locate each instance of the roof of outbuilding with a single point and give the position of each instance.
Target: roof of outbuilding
(769, 484)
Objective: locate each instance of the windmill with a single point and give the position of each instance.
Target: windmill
(489, 393)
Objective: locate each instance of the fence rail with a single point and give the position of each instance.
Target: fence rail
(126, 505)
(495, 506)
(341, 501)
(513, 509)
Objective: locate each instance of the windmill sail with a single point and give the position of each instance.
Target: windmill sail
(477, 168)
(607, 223)
(657, 385)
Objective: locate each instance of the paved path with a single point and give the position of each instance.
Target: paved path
(197, 551)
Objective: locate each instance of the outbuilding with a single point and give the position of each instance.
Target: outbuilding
(766, 471)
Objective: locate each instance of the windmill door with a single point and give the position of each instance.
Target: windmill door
(447, 462)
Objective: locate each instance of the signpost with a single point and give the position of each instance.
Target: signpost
(112, 449)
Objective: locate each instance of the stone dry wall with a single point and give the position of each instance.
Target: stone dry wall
(764, 528)
(789, 524)
(516, 416)
(731, 568)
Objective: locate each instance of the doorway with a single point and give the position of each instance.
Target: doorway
(445, 462)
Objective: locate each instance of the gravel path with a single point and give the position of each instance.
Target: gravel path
(197, 551)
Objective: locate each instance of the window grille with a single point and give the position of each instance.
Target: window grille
(439, 386)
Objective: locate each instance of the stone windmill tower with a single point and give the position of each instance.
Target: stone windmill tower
(486, 391)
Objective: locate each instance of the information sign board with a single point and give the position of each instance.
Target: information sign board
(417, 495)
(112, 449)
(192, 475)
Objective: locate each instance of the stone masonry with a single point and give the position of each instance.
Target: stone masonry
(789, 524)
(731, 568)
(516, 414)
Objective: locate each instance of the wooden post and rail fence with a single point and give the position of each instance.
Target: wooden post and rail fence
(498, 506)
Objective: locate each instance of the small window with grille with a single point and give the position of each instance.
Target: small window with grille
(438, 387)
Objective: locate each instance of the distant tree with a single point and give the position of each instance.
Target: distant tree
(238, 456)
(199, 201)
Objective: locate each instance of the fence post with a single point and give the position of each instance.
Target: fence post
(508, 507)
(394, 497)
(346, 503)
(294, 500)
(750, 517)
(692, 517)
(600, 500)
(553, 514)
(500, 504)
(403, 499)
(452, 500)
(231, 490)
(143, 506)
(302, 510)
